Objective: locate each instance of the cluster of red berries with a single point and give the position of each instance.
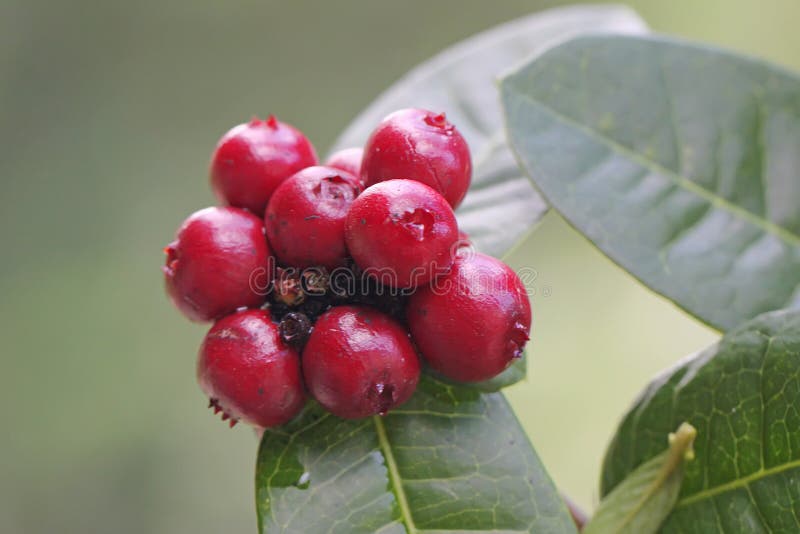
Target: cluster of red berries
(334, 279)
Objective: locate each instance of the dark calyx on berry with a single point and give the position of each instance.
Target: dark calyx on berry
(288, 287)
(314, 290)
(300, 290)
(295, 327)
(372, 293)
(315, 281)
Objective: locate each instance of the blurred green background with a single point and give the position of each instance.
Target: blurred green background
(108, 113)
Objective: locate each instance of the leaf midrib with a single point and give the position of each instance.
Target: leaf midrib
(663, 474)
(681, 181)
(738, 483)
(395, 480)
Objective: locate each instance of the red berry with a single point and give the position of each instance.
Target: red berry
(305, 217)
(472, 322)
(252, 159)
(217, 263)
(419, 145)
(359, 362)
(464, 240)
(401, 232)
(248, 372)
(348, 160)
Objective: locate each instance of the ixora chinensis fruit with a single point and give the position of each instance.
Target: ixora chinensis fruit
(317, 284)
(305, 217)
(248, 372)
(402, 232)
(253, 158)
(359, 362)
(420, 145)
(347, 160)
(209, 265)
(471, 323)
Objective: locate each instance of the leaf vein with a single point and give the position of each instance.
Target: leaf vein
(690, 186)
(395, 480)
(739, 483)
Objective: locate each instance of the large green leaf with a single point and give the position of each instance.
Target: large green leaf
(454, 458)
(502, 206)
(743, 396)
(680, 162)
(450, 460)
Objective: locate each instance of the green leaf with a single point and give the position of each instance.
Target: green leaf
(453, 459)
(641, 502)
(450, 460)
(679, 161)
(743, 396)
(501, 206)
(515, 372)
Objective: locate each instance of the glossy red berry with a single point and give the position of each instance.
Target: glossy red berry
(419, 145)
(217, 263)
(305, 217)
(464, 240)
(248, 372)
(471, 323)
(359, 362)
(401, 232)
(252, 159)
(348, 160)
